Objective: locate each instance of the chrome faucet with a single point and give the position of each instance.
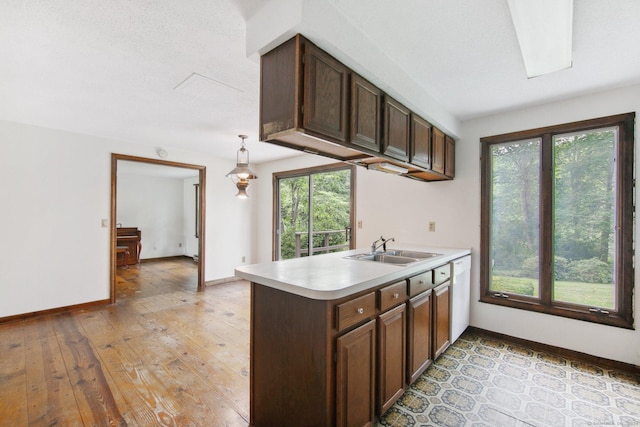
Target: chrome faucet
(375, 246)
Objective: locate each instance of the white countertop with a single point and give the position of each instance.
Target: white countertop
(331, 276)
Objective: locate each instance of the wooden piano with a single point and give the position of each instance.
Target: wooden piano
(131, 239)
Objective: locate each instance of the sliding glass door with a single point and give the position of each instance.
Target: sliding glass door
(313, 211)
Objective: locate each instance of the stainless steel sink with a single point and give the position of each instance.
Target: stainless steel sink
(388, 259)
(411, 254)
(398, 257)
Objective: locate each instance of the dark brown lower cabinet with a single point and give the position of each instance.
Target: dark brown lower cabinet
(291, 360)
(418, 335)
(441, 319)
(355, 377)
(392, 356)
(343, 362)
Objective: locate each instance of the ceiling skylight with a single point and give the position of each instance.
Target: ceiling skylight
(544, 29)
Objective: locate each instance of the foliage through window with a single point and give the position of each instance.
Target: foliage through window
(313, 205)
(557, 220)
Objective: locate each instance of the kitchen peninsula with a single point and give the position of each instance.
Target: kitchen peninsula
(335, 340)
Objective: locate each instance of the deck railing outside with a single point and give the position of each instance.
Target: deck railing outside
(326, 247)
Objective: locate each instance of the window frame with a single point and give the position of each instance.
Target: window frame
(622, 314)
(331, 167)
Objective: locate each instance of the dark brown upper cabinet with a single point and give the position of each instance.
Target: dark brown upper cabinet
(326, 82)
(304, 100)
(420, 142)
(443, 153)
(311, 102)
(366, 102)
(449, 157)
(437, 151)
(280, 94)
(395, 142)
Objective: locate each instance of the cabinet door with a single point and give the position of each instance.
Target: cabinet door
(355, 376)
(391, 357)
(365, 113)
(325, 94)
(396, 130)
(450, 157)
(441, 319)
(437, 150)
(419, 335)
(420, 142)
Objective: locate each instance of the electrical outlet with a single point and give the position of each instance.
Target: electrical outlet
(360, 224)
(432, 226)
(179, 245)
(243, 259)
(105, 223)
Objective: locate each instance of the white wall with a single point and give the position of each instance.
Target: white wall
(55, 188)
(402, 208)
(156, 206)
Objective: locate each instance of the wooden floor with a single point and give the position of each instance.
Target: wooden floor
(162, 355)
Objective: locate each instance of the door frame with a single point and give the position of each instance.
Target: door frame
(201, 225)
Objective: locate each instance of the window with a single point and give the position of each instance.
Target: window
(314, 211)
(557, 220)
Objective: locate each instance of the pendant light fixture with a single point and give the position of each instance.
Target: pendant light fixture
(241, 174)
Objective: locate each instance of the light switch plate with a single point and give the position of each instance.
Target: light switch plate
(432, 226)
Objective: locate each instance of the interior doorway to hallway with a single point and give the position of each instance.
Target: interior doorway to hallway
(194, 176)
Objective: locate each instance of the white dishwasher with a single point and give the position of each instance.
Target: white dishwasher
(460, 296)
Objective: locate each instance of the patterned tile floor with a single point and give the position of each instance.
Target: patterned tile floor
(484, 382)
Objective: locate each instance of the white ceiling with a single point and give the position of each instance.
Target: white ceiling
(465, 53)
(175, 73)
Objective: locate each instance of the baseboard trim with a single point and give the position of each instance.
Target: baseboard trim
(57, 310)
(221, 281)
(166, 258)
(584, 357)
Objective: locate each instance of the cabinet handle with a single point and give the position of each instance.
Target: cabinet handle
(442, 273)
(396, 295)
(360, 310)
(421, 282)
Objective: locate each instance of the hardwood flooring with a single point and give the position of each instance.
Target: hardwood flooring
(162, 355)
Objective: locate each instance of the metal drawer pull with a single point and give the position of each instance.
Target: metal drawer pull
(443, 273)
(396, 295)
(360, 310)
(421, 282)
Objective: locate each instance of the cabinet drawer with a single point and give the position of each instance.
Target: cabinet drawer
(420, 283)
(441, 274)
(392, 295)
(355, 311)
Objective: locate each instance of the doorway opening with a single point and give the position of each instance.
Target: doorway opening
(195, 221)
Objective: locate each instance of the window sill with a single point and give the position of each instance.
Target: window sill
(568, 311)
